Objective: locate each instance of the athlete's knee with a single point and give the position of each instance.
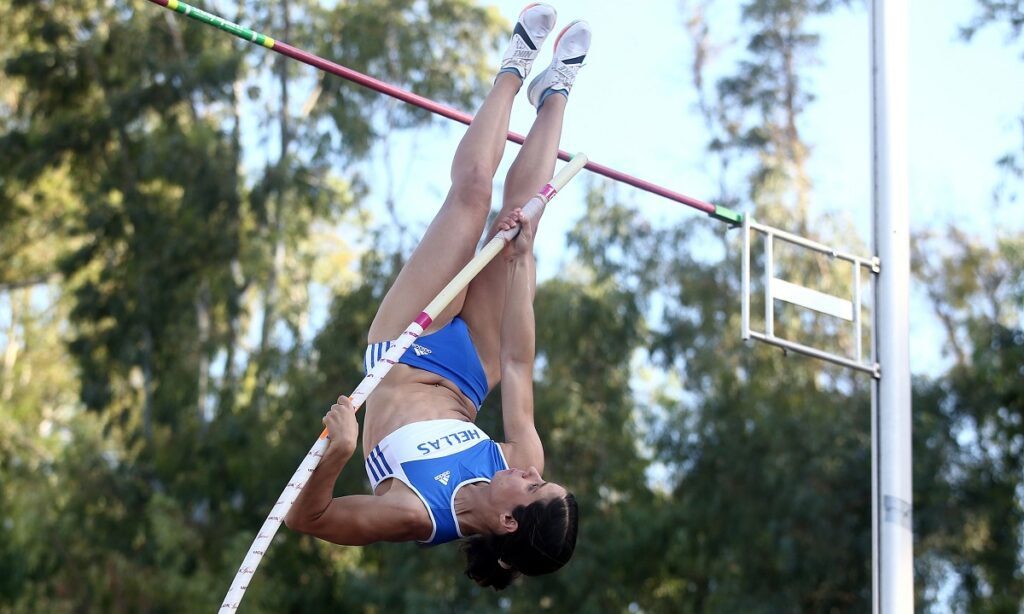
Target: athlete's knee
(471, 186)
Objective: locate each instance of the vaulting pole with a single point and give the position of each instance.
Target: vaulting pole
(259, 546)
(720, 213)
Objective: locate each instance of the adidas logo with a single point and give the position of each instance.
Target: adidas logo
(443, 477)
(420, 350)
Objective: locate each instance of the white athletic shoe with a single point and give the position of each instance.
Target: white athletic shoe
(534, 24)
(571, 48)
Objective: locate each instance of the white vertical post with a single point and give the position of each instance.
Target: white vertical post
(769, 274)
(893, 572)
(745, 280)
(858, 332)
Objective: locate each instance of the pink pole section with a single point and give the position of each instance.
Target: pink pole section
(440, 109)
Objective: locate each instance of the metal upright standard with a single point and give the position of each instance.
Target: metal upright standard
(889, 363)
(893, 564)
(848, 309)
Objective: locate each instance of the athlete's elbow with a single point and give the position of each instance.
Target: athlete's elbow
(517, 360)
(300, 521)
(294, 522)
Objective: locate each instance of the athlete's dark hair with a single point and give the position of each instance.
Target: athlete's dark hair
(542, 543)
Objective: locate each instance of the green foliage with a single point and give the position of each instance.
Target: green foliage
(1005, 15)
(763, 458)
(1009, 13)
(973, 421)
(139, 251)
(390, 40)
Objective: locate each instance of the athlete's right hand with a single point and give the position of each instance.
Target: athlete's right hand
(342, 427)
(522, 245)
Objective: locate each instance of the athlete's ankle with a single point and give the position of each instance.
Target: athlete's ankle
(560, 96)
(509, 76)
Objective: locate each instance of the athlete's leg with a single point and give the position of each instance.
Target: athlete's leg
(452, 237)
(533, 168)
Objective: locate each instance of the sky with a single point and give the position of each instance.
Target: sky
(633, 109)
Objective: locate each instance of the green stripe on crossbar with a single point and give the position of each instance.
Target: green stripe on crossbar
(220, 23)
(727, 215)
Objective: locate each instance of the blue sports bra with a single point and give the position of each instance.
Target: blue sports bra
(436, 458)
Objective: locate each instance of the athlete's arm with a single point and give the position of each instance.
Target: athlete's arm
(358, 520)
(355, 520)
(523, 447)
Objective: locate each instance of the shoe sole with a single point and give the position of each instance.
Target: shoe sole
(527, 7)
(533, 4)
(564, 30)
(530, 6)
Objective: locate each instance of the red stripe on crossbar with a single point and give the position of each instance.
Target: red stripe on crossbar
(450, 113)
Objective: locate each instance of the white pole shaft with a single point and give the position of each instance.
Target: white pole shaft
(893, 574)
(533, 209)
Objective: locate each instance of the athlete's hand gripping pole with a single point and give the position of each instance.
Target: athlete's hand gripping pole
(298, 480)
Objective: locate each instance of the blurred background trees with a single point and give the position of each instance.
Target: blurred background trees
(170, 227)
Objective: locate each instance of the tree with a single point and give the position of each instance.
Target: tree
(998, 14)
(973, 517)
(127, 141)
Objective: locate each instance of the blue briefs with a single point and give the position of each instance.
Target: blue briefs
(448, 352)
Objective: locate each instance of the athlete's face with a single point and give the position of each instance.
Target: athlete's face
(515, 487)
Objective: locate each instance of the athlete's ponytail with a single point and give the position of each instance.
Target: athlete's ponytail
(542, 543)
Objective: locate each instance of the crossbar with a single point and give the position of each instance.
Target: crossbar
(717, 212)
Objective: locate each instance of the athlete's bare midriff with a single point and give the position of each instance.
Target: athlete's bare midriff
(408, 395)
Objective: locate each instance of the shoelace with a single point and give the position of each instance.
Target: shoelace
(565, 74)
(519, 56)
